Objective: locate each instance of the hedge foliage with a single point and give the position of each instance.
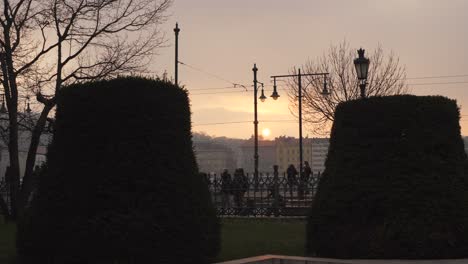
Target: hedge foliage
(395, 184)
(122, 183)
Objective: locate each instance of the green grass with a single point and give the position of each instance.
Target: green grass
(7, 242)
(242, 238)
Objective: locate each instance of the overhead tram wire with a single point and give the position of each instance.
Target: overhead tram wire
(440, 83)
(437, 77)
(212, 75)
(242, 122)
(409, 84)
(213, 88)
(237, 85)
(271, 121)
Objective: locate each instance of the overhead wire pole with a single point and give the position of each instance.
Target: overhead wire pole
(255, 69)
(301, 158)
(324, 92)
(176, 70)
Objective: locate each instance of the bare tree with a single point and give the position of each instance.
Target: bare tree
(386, 77)
(46, 44)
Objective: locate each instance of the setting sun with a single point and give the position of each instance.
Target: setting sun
(266, 132)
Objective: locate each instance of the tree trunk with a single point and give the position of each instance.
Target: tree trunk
(29, 177)
(14, 173)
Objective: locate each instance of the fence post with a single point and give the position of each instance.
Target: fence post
(275, 190)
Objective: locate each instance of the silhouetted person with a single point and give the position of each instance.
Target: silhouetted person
(291, 173)
(241, 186)
(226, 189)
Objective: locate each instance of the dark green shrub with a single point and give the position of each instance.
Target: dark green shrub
(395, 184)
(122, 183)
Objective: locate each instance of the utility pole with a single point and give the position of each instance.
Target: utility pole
(176, 71)
(301, 159)
(255, 69)
(299, 80)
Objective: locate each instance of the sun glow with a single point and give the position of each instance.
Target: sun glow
(266, 132)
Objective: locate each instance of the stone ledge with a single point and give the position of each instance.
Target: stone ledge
(277, 259)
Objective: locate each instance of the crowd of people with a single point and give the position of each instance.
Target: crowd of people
(233, 188)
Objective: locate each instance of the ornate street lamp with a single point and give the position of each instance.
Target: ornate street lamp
(275, 94)
(362, 69)
(262, 96)
(325, 90)
(176, 70)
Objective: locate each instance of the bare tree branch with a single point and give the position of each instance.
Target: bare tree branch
(48, 44)
(386, 77)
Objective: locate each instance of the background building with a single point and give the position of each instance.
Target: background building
(213, 157)
(319, 154)
(266, 154)
(314, 151)
(217, 153)
(23, 147)
(287, 149)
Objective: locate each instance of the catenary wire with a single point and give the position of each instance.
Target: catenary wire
(212, 75)
(240, 122)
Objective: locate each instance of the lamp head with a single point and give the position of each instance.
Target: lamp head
(177, 29)
(362, 65)
(275, 94)
(325, 90)
(262, 97)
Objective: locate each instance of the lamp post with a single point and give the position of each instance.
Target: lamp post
(362, 69)
(176, 70)
(325, 91)
(262, 98)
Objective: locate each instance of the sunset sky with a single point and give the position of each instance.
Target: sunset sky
(222, 39)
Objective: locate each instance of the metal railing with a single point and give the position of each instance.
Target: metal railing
(4, 190)
(266, 196)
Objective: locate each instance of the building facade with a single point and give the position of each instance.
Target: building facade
(287, 149)
(314, 151)
(23, 148)
(213, 157)
(266, 156)
(319, 154)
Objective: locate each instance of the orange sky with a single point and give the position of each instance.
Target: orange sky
(226, 38)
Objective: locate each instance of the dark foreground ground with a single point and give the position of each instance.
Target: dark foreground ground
(241, 238)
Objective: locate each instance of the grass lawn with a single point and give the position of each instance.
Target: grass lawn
(243, 238)
(7, 242)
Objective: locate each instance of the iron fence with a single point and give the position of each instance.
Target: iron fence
(4, 195)
(266, 196)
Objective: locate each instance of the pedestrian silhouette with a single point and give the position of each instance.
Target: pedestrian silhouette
(241, 186)
(226, 189)
(291, 173)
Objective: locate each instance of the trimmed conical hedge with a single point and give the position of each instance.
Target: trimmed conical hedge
(395, 184)
(122, 183)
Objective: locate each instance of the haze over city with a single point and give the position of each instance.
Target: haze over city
(223, 39)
